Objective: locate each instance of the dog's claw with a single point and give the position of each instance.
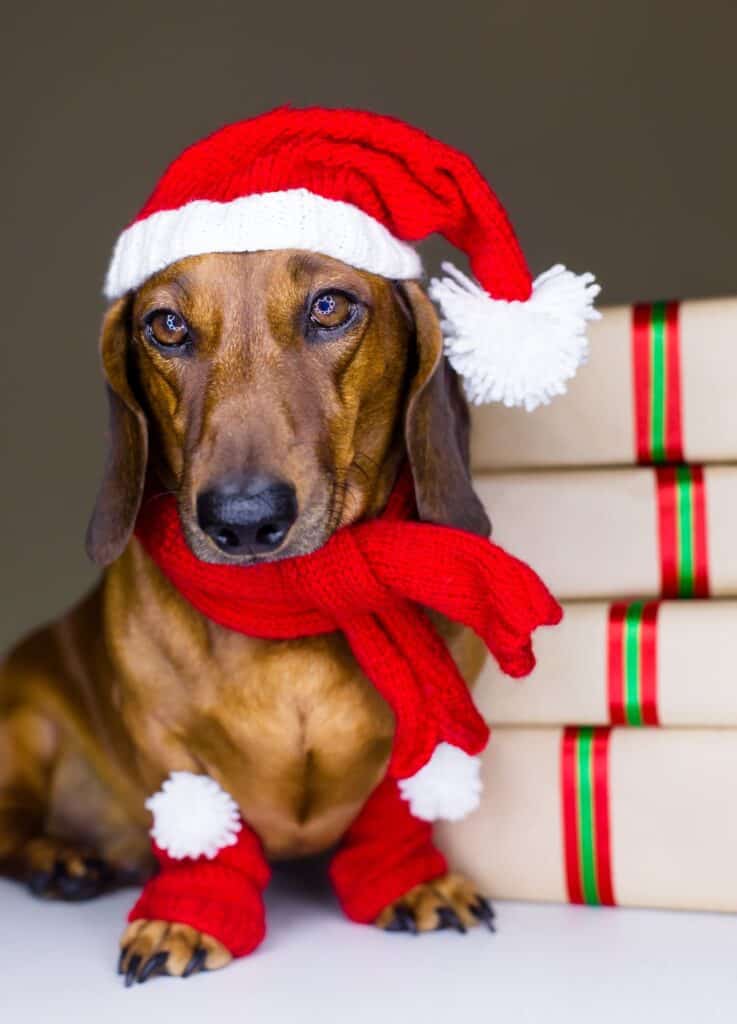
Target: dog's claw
(448, 902)
(447, 918)
(403, 920)
(133, 964)
(407, 919)
(196, 963)
(76, 890)
(153, 966)
(39, 881)
(152, 948)
(61, 882)
(483, 911)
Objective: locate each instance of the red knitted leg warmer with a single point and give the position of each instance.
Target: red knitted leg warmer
(221, 897)
(384, 854)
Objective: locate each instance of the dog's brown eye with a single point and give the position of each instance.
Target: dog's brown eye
(164, 327)
(331, 309)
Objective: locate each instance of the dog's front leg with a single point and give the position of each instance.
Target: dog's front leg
(388, 872)
(197, 914)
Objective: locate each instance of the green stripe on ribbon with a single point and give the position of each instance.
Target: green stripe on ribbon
(632, 641)
(586, 815)
(685, 528)
(658, 360)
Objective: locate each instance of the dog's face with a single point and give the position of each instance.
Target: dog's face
(273, 383)
(276, 395)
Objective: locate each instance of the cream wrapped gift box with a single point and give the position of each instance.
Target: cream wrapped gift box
(670, 663)
(659, 386)
(620, 533)
(636, 817)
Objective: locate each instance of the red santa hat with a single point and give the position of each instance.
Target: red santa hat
(362, 188)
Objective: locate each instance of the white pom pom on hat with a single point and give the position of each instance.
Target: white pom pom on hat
(517, 353)
(362, 188)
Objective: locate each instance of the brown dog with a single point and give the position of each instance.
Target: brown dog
(232, 387)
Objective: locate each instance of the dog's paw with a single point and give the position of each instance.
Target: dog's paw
(447, 902)
(151, 948)
(57, 870)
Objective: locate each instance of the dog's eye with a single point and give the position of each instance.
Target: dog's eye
(331, 309)
(166, 328)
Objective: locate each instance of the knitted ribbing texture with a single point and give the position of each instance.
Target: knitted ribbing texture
(385, 853)
(408, 181)
(221, 897)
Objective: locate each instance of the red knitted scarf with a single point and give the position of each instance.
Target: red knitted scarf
(370, 581)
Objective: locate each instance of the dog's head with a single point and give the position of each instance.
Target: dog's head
(276, 394)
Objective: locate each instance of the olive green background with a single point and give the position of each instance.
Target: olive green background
(607, 128)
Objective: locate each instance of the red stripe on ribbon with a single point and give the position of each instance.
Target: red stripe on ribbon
(615, 663)
(649, 664)
(673, 407)
(701, 551)
(602, 825)
(642, 381)
(667, 498)
(571, 839)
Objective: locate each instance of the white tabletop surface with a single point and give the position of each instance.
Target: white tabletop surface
(545, 964)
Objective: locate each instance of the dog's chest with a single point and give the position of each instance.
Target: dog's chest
(292, 729)
(295, 732)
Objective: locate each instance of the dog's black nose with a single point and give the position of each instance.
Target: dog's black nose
(251, 515)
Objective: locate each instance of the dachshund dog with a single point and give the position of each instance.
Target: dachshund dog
(275, 417)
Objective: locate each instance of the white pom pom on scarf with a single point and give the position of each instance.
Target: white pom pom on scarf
(193, 816)
(449, 786)
(518, 353)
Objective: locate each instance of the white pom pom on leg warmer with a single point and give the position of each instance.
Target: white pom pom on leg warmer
(193, 816)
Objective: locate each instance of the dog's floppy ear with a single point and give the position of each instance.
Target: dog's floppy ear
(437, 427)
(121, 490)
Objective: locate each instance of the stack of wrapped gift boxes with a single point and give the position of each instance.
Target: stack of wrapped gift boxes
(611, 775)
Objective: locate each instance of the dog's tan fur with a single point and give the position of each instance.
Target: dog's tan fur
(98, 708)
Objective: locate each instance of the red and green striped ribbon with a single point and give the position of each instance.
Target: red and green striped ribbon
(585, 806)
(681, 497)
(632, 663)
(656, 362)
